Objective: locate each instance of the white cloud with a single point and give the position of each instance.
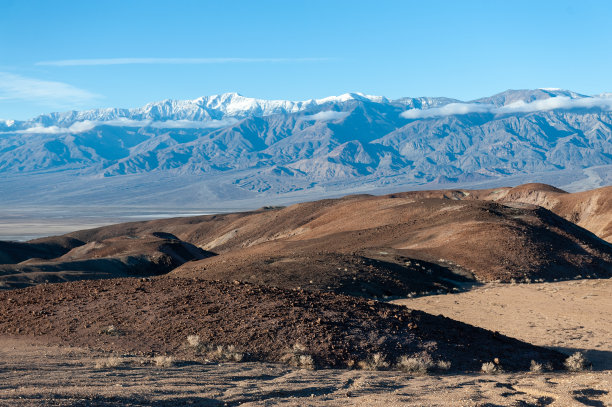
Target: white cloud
(87, 125)
(172, 61)
(555, 103)
(448, 110)
(16, 87)
(560, 102)
(190, 124)
(327, 115)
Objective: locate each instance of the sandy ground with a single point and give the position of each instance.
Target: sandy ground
(32, 374)
(567, 315)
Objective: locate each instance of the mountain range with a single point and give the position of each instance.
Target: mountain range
(210, 150)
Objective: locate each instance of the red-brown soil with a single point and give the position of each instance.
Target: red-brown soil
(143, 255)
(156, 316)
(392, 245)
(486, 240)
(590, 209)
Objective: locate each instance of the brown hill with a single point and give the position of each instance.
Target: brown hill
(376, 246)
(47, 248)
(123, 256)
(156, 316)
(590, 209)
(489, 241)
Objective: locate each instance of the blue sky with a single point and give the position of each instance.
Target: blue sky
(63, 55)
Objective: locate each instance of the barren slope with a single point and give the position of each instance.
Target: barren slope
(489, 241)
(375, 246)
(143, 255)
(590, 209)
(156, 316)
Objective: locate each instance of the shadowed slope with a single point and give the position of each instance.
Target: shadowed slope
(590, 209)
(157, 315)
(123, 256)
(46, 248)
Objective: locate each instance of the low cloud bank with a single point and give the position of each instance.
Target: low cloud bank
(555, 103)
(326, 116)
(87, 125)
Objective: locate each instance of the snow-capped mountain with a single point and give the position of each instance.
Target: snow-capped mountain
(215, 107)
(233, 147)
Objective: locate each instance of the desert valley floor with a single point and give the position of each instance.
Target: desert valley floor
(319, 303)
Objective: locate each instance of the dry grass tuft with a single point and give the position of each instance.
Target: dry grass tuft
(416, 364)
(226, 354)
(298, 357)
(163, 361)
(215, 352)
(490, 368)
(443, 364)
(193, 340)
(109, 362)
(536, 367)
(576, 363)
(421, 364)
(375, 362)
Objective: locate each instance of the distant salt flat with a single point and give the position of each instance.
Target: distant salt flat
(169, 215)
(24, 224)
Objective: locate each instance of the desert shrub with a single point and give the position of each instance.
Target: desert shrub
(490, 368)
(416, 364)
(576, 362)
(443, 364)
(297, 356)
(109, 362)
(214, 352)
(226, 354)
(163, 361)
(193, 340)
(421, 364)
(375, 362)
(536, 367)
(306, 362)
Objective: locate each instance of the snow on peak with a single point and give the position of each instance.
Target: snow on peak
(352, 96)
(206, 110)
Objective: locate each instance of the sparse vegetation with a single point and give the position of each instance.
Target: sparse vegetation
(490, 368)
(444, 364)
(163, 361)
(214, 352)
(193, 340)
(536, 367)
(375, 362)
(109, 362)
(110, 330)
(576, 362)
(421, 364)
(298, 357)
(418, 364)
(226, 354)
